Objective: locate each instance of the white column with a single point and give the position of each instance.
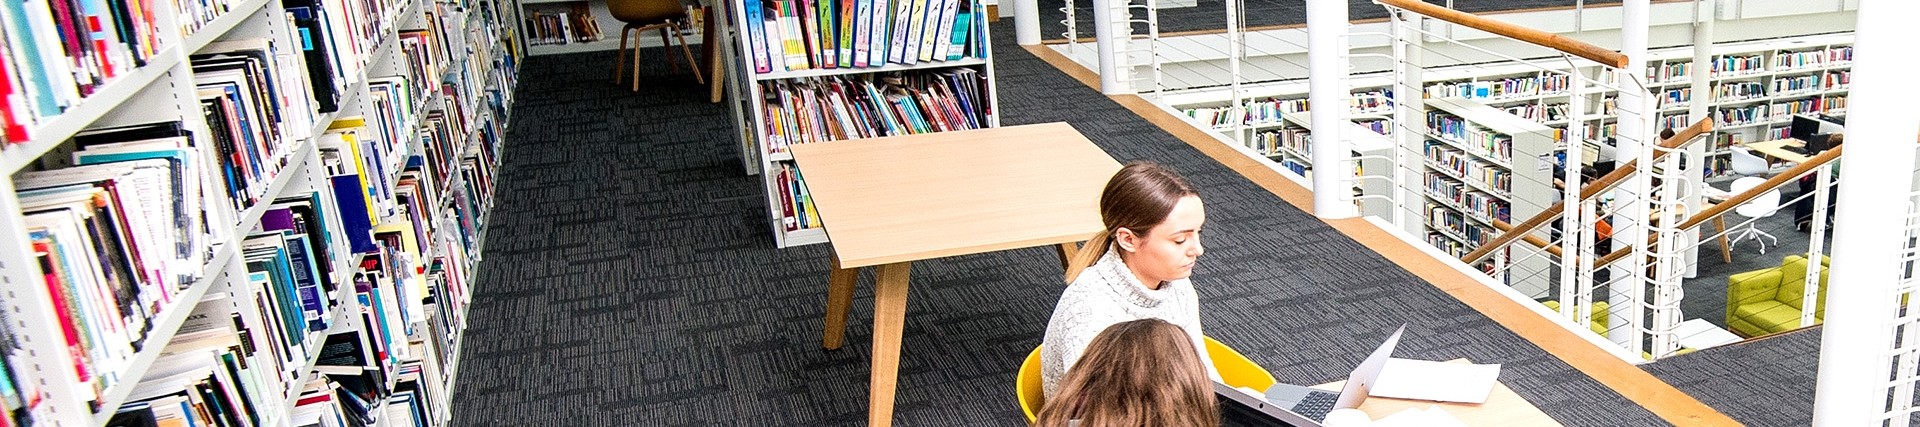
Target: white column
(1111, 33)
(1881, 129)
(1627, 290)
(1327, 93)
(1026, 22)
(1697, 158)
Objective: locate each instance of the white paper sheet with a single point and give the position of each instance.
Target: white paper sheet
(1436, 381)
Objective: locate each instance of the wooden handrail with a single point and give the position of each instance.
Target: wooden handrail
(1736, 200)
(1550, 40)
(1588, 191)
(1536, 241)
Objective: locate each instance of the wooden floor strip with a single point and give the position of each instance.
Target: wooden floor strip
(1630, 381)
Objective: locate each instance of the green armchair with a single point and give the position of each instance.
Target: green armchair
(1767, 301)
(1599, 319)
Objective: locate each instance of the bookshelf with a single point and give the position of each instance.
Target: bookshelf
(1483, 164)
(258, 212)
(900, 67)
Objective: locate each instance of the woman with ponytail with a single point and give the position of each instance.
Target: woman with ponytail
(1136, 268)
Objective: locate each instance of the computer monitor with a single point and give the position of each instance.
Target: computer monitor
(1804, 127)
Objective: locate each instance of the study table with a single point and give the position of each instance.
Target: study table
(1777, 149)
(887, 202)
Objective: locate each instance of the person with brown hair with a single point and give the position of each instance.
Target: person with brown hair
(1140, 373)
(1136, 268)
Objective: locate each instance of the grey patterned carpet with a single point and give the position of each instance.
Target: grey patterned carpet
(1761, 382)
(630, 280)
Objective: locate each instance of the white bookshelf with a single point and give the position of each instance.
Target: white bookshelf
(761, 155)
(163, 89)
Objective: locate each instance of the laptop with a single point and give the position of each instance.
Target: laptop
(1303, 406)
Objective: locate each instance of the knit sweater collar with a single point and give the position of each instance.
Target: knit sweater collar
(1119, 279)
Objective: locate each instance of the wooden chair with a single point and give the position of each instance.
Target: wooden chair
(643, 15)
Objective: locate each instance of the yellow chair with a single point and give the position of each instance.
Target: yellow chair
(1235, 370)
(640, 16)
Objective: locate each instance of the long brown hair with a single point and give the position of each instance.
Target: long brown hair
(1137, 198)
(1141, 373)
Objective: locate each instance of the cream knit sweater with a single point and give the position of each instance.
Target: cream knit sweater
(1105, 294)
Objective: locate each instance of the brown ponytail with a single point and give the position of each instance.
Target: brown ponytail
(1137, 198)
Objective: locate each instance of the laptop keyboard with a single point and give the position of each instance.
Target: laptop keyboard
(1316, 405)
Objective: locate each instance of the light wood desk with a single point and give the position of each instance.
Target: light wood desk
(1502, 408)
(888, 202)
(1776, 149)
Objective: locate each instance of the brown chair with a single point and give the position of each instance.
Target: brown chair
(642, 15)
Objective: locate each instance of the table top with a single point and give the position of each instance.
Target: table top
(1775, 149)
(914, 197)
(1502, 407)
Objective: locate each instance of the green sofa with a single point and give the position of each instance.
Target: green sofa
(1599, 319)
(1767, 301)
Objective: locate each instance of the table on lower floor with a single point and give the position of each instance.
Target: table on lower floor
(888, 202)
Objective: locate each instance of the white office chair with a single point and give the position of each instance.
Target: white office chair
(1761, 206)
(1749, 164)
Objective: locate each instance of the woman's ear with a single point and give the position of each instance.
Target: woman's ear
(1125, 239)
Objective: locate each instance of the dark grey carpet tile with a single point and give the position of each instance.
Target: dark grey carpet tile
(1766, 382)
(1212, 14)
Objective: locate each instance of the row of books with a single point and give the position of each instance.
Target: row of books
(562, 26)
(787, 35)
(866, 106)
(1674, 98)
(1782, 111)
(1455, 226)
(1740, 116)
(1503, 89)
(1739, 65)
(1785, 60)
(1736, 91)
(53, 53)
(1452, 128)
(1482, 206)
(1448, 159)
(1539, 112)
(1297, 142)
(1271, 110)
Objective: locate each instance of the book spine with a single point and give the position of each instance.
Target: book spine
(844, 16)
(896, 45)
(757, 36)
(933, 45)
(917, 28)
(877, 49)
(863, 32)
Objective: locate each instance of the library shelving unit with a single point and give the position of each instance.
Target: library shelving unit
(1483, 164)
(821, 70)
(1757, 88)
(245, 212)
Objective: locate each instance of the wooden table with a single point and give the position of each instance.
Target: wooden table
(1777, 149)
(1502, 408)
(888, 202)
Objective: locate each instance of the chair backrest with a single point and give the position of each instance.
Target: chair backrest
(1747, 163)
(645, 11)
(1027, 385)
(1763, 205)
(1235, 370)
(1793, 286)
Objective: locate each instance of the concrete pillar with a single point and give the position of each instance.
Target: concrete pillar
(1327, 93)
(1881, 129)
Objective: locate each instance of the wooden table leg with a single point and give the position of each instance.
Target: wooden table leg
(1067, 251)
(839, 300)
(709, 43)
(889, 318)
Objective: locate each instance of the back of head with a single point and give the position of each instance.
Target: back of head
(1141, 373)
(1138, 197)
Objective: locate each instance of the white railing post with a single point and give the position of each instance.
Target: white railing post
(1327, 93)
(1112, 34)
(1881, 130)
